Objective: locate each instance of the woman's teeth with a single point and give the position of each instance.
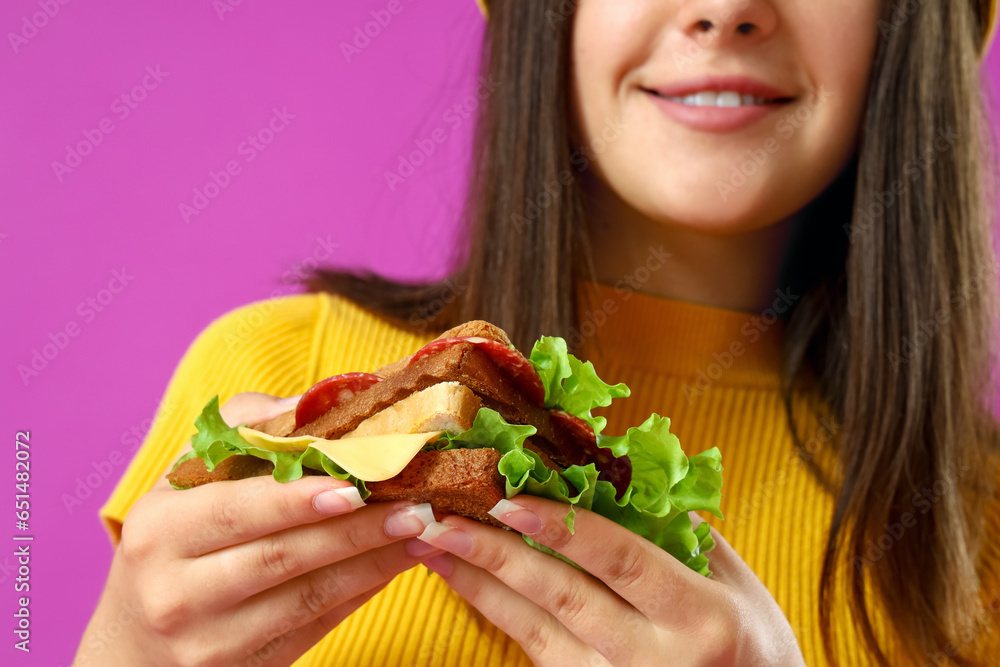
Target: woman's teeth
(723, 99)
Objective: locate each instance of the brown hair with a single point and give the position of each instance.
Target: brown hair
(898, 277)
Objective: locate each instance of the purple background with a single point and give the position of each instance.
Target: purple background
(316, 192)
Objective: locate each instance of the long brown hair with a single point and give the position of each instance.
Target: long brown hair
(898, 280)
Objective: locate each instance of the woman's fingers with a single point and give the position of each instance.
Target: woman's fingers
(314, 594)
(294, 641)
(644, 575)
(582, 604)
(222, 514)
(539, 633)
(238, 572)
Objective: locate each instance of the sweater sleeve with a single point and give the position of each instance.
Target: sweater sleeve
(268, 346)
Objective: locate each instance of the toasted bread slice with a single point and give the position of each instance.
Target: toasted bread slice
(454, 481)
(279, 426)
(480, 328)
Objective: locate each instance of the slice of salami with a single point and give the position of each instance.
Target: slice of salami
(614, 469)
(330, 392)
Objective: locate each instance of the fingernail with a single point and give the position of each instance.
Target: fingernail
(445, 537)
(419, 549)
(289, 400)
(442, 564)
(519, 518)
(338, 501)
(409, 520)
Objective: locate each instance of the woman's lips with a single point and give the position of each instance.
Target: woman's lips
(716, 118)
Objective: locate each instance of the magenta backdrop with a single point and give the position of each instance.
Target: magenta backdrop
(198, 78)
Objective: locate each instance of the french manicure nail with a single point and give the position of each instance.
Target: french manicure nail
(448, 538)
(517, 517)
(338, 501)
(409, 520)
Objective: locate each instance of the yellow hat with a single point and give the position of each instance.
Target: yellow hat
(987, 10)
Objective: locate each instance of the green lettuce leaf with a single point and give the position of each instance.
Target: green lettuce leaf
(570, 384)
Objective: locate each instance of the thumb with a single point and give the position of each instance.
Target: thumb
(253, 408)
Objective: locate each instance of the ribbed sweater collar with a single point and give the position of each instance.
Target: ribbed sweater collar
(679, 339)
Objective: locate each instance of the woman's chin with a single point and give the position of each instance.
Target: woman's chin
(713, 217)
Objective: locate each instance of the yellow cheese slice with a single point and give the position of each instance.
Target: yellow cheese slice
(371, 458)
(274, 443)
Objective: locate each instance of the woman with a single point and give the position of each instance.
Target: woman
(805, 281)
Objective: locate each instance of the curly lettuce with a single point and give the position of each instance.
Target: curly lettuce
(570, 384)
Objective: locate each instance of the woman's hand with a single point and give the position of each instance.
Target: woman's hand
(640, 607)
(248, 572)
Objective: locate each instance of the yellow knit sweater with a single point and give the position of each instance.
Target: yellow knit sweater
(713, 372)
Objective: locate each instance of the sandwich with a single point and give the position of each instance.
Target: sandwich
(468, 420)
